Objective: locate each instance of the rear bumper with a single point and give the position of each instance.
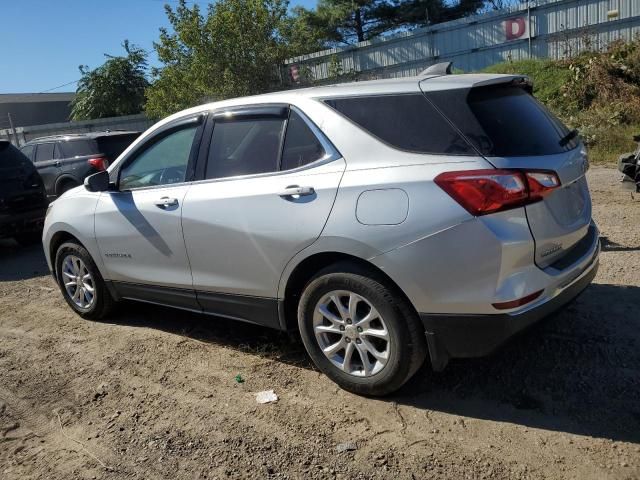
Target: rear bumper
(23, 222)
(462, 336)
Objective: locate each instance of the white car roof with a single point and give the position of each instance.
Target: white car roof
(370, 87)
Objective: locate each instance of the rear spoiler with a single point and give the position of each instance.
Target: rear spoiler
(446, 81)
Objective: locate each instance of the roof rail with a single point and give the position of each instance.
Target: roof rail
(444, 68)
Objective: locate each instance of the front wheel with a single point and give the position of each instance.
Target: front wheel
(80, 282)
(359, 331)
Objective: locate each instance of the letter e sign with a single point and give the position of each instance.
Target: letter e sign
(516, 28)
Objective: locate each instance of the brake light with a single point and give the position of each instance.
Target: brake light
(99, 163)
(482, 192)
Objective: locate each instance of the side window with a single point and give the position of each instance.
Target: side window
(56, 151)
(301, 146)
(244, 147)
(78, 148)
(28, 151)
(44, 152)
(408, 122)
(162, 163)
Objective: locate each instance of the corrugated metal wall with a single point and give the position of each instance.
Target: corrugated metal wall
(543, 29)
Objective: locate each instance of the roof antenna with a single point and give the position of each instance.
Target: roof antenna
(444, 68)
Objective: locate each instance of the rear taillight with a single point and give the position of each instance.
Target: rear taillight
(99, 163)
(482, 192)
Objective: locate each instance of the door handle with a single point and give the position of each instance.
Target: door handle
(295, 190)
(166, 202)
(57, 164)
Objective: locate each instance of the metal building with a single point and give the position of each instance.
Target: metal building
(539, 29)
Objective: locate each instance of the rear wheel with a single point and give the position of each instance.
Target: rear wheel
(80, 282)
(359, 331)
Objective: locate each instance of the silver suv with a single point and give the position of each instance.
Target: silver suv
(385, 220)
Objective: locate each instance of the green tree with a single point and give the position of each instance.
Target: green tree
(233, 50)
(420, 13)
(115, 88)
(344, 22)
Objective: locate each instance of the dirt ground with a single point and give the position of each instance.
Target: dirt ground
(151, 393)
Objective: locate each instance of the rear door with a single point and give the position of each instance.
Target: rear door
(513, 130)
(48, 165)
(270, 180)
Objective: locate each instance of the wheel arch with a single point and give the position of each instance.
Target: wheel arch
(58, 239)
(63, 180)
(310, 266)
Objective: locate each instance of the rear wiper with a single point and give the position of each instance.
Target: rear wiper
(568, 137)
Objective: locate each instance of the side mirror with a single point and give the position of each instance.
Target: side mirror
(98, 182)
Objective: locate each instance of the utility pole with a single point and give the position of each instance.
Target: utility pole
(13, 131)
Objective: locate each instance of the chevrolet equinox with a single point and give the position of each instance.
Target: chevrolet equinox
(386, 220)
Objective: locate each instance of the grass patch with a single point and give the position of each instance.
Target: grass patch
(613, 142)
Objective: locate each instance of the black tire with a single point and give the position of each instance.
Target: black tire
(29, 239)
(407, 341)
(103, 302)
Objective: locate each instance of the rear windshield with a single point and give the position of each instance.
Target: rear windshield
(78, 148)
(405, 121)
(503, 121)
(113, 145)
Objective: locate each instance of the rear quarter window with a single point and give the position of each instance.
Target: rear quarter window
(78, 148)
(112, 146)
(503, 121)
(405, 121)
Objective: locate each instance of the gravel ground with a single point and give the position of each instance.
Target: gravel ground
(151, 393)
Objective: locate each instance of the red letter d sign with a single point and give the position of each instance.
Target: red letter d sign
(515, 28)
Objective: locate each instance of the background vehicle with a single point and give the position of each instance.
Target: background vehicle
(64, 161)
(629, 165)
(382, 219)
(23, 201)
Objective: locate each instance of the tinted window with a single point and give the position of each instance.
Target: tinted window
(78, 148)
(56, 151)
(408, 122)
(503, 121)
(300, 144)
(28, 151)
(164, 162)
(44, 152)
(244, 147)
(113, 145)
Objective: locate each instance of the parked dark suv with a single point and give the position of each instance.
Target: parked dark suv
(23, 202)
(64, 161)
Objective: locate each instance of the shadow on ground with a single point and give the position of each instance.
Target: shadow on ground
(577, 372)
(21, 263)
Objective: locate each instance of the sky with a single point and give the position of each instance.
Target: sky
(44, 41)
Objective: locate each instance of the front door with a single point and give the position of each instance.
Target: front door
(138, 224)
(271, 183)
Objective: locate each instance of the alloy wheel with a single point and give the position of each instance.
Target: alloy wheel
(78, 282)
(351, 333)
